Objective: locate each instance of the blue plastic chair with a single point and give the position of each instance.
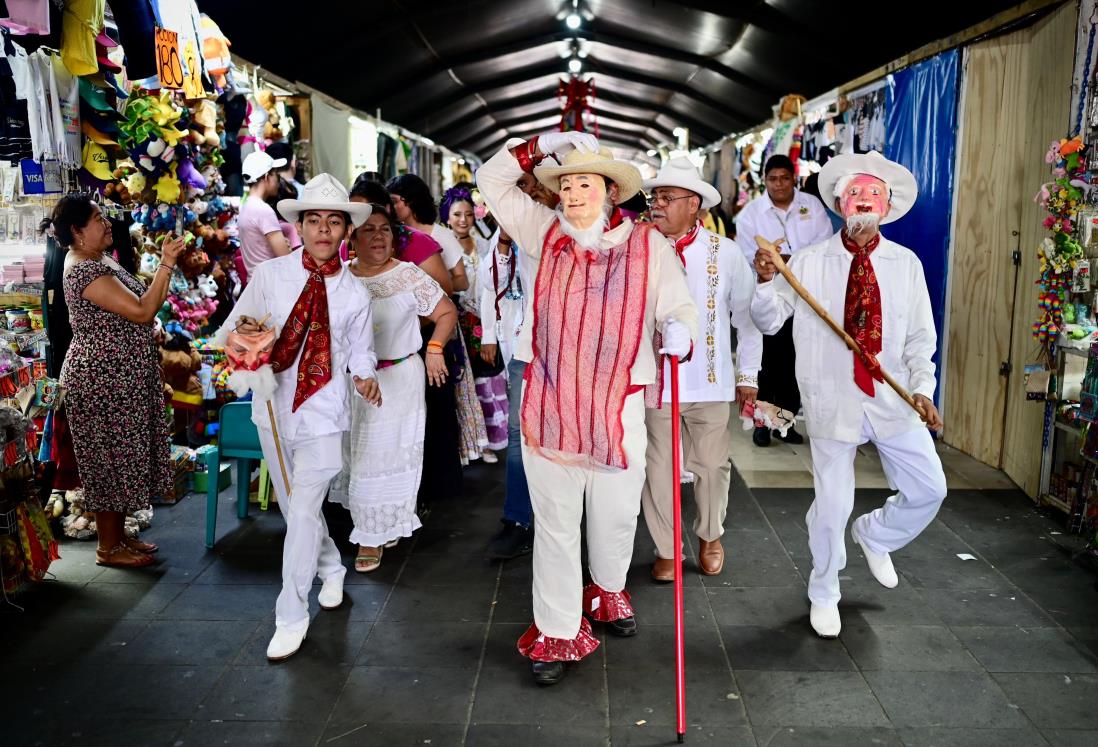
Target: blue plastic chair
(237, 439)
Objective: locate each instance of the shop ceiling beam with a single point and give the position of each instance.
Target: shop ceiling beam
(558, 68)
(604, 121)
(611, 132)
(998, 23)
(492, 146)
(492, 142)
(490, 52)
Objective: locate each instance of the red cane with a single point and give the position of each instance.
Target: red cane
(676, 496)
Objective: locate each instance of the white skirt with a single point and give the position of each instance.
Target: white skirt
(383, 457)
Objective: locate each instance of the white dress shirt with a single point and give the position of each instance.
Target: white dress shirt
(803, 223)
(528, 222)
(834, 406)
(721, 284)
(274, 288)
(512, 305)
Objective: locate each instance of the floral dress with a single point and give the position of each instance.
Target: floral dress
(114, 399)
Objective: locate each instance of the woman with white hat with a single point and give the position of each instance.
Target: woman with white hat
(877, 288)
(323, 314)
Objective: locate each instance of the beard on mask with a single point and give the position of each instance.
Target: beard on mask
(585, 238)
(861, 223)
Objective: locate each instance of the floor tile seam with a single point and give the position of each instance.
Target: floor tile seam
(366, 638)
(483, 656)
(854, 662)
(1018, 590)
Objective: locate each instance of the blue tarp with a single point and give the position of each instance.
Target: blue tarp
(921, 133)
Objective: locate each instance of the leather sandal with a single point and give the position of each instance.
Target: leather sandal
(138, 546)
(367, 560)
(121, 556)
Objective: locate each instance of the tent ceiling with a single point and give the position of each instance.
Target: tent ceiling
(469, 73)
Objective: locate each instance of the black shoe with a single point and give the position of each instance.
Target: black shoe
(511, 542)
(548, 672)
(623, 628)
(761, 437)
(791, 437)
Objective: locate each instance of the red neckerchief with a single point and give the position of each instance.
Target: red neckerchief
(308, 325)
(684, 241)
(510, 276)
(862, 317)
(565, 241)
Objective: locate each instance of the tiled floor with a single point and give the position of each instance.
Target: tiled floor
(999, 650)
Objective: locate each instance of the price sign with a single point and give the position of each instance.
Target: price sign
(192, 78)
(169, 67)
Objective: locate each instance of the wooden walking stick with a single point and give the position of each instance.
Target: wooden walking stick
(676, 497)
(795, 284)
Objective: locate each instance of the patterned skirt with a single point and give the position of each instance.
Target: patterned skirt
(474, 434)
(492, 393)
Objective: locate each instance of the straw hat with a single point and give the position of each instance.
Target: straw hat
(603, 163)
(324, 192)
(901, 183)
(680, 172)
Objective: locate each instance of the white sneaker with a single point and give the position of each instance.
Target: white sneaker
(489, 457)
(825, 620)
(285, 643)
(880, 564)
(331, 592)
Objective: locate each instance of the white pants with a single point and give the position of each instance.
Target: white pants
(915, 471)
(308, 550)
(558, 494)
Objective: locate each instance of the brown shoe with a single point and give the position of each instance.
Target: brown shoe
(710, 557)
(663, 571)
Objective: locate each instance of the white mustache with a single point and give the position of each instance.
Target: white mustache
(862, 222)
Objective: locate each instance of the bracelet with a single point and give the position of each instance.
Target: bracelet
(167, 267)
(434, 352)
(434, 345)
(524, 154)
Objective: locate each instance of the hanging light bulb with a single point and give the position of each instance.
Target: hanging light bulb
(573, 20)
(575, 65)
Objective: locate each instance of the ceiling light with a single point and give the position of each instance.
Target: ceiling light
(573, 20)
(651, 154)
(574, 65)
(678, 132)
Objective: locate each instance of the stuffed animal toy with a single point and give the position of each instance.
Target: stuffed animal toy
(149, 264)
(167, 187)
(271, 131)
(153, 156)
(207, 286)
(194, 261)
(179, 284)
(191, 178)
(204, 124)
(164, 219)
(215, 50)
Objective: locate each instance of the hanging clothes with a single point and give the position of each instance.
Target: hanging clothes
(27, 17)
(65, 113)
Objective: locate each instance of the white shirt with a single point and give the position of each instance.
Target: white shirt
(398, 298)
(273, 288)
(470, 297)
(834, 406)
(802, 224)
(528, 222)
(721, 284)
(452, 251)
(512, 307)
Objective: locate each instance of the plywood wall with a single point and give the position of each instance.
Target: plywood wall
(1046, 113)
(988, 210)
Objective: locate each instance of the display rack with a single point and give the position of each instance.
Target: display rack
(1062, 438)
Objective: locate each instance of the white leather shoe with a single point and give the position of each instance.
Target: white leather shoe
(880, 564)
(825, 620)
(331, 592)
(285, 643)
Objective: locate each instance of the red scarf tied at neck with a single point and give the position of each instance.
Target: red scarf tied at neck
(862, 318)
(565, 241)
(684, 241)
(308, 325)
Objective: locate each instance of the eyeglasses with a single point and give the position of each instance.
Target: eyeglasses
(656, 199)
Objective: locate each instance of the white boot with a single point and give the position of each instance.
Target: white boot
(285, 643)
(880, 564)
(331, 592)
(825, 620)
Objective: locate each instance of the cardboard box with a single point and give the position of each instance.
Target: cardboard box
(224, 478)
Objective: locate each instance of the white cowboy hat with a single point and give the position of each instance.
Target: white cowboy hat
(680, 172)
(603, 163)
(900, 181)
(324, 192)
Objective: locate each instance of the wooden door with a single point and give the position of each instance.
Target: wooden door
(986, 220)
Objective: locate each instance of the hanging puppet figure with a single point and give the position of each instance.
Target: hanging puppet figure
(604, 288)
(323, 315)
(877, 288)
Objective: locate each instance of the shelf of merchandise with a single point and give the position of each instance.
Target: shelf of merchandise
(1075, 432)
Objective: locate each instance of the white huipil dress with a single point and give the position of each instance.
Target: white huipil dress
(383, 451)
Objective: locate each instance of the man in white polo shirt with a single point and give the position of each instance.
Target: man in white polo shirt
(800, 219)
(261, 237)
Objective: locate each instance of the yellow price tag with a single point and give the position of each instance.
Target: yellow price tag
(192, 79)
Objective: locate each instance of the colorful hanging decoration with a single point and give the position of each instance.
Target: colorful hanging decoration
(575, 97)
(1060, 252)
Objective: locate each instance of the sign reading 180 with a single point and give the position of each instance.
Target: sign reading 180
(169, 68)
